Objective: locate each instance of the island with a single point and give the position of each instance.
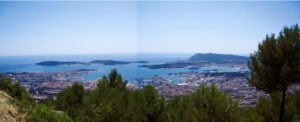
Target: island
(104, 62)
(56, 63)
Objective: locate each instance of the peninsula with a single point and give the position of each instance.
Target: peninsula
(218, 58)
(203, 59)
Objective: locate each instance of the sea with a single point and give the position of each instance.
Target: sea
(130, 71)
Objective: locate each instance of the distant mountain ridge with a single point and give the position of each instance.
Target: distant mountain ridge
(214, 57)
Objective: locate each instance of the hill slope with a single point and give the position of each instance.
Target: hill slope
(8, 112)
(213, 57)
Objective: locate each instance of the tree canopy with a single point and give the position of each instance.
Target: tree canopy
(206, 104)
(70, 99)
(276, 63)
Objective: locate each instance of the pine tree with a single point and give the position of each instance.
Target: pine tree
(70, 99)
(276, 64)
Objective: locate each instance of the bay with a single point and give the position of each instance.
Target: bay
(129, 71)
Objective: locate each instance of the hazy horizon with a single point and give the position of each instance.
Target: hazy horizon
(124, 54)
(140, 27)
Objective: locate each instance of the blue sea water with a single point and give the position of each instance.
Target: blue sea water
(130, 71)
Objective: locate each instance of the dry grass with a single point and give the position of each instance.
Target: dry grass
(9, 112)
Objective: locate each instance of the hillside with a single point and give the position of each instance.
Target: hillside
(213, 57)
(8, 112)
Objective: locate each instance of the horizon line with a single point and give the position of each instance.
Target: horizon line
(78, 54)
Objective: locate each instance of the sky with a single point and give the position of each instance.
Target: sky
(137, 27)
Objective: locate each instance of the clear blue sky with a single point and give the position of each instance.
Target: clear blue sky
(37, 28)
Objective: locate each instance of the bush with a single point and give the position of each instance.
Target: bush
(42, 113)
(70, 99)
(206, 104)
(111, 101)
(21, 97)
(267, 108)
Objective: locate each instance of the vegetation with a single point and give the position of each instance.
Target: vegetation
(276, 64)
(34, 112)
(70, 99)
(267, 109)
(20, 95)
(206, 104)
(13, 89)
(42, 113)
(111, 101)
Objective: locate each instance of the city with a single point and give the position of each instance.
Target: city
(45, 85)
